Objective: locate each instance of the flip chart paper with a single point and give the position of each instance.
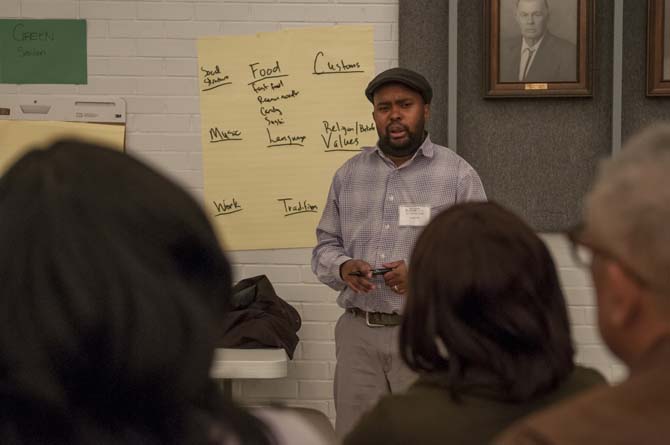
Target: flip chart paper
(16, 137)
(280, 112)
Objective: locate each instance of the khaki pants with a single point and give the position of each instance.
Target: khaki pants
(368, 367)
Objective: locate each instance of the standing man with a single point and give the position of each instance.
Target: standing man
(378, 203)
(625, 242)
(539, 56)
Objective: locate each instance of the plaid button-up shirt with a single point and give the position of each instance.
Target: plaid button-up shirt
(360, 219)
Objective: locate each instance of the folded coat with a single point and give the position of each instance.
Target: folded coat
(259, 318)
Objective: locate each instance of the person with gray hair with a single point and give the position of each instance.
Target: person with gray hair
(624, 241)
(539, 55)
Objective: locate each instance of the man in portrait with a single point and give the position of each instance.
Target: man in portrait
(539, 55)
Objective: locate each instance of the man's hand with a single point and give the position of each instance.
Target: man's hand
(360, 283)
(397, 278)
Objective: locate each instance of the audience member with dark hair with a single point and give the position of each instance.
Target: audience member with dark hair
(486, 327)
(112, 282)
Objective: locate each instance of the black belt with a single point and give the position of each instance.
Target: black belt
(376, 319)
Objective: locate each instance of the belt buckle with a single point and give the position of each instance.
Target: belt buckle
(371, 325)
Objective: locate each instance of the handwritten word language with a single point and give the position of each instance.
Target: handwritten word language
(285, 140)
(322, 66)
(302, 207)
(218, 135)
(225, 208)
(213, 78)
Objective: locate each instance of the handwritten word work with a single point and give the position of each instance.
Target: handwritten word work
(280, 112)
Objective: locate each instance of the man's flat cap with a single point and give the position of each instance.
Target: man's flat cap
(404, 76)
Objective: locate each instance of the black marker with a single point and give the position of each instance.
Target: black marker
(381, 271)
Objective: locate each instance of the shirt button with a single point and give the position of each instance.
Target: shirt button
(386, 226)
(382, 255)
(391, 198)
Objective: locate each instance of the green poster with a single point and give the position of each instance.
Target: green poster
(43, 51)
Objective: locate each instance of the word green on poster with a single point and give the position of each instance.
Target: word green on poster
(43, 51)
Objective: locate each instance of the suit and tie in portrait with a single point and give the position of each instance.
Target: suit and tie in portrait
(537, 55)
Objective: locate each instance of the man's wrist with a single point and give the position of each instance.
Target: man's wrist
(341, 262)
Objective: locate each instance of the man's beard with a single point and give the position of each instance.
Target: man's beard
(407, 148)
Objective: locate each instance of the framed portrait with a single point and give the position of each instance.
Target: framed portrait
(658, 48)
(538, 48)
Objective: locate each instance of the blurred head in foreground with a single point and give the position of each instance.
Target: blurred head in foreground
(111, 282)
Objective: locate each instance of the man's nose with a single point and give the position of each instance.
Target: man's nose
(395, 112)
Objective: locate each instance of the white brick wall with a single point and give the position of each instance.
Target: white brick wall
(145, 52)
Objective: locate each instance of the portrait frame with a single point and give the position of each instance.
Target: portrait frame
(497, 86)
(658, 50)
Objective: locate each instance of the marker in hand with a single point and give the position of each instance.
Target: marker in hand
(382, 271)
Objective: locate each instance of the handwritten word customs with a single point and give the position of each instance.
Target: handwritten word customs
(226, 208)
(213, 78)
(293, 209)
(218, 135)
(324, 66)
(284, 140)
(344, 137)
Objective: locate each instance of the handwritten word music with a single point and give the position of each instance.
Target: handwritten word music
(218, 135)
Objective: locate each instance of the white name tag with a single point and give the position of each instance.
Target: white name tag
(417, 215)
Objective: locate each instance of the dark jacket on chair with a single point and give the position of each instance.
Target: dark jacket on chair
(260, 318)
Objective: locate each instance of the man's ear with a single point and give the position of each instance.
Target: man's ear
(426, 111)
(625, 296)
